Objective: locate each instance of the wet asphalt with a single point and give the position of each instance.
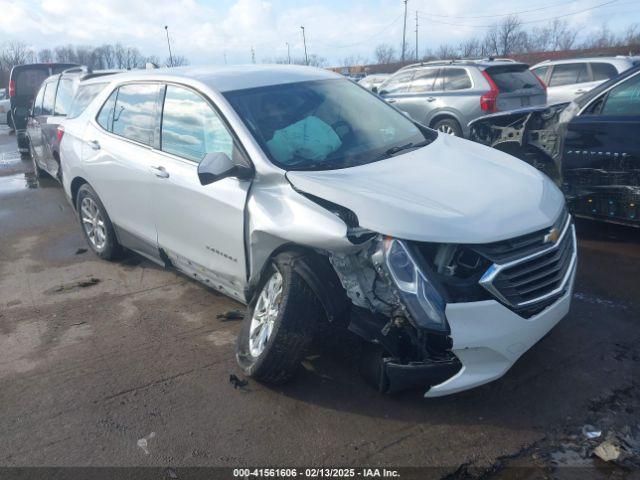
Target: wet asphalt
(96, 356)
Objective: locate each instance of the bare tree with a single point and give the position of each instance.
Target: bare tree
(469, 48)
(14, 53)
(178, 61)
(447, 52)
(353, 60)
(385, 54)
(45, 55)
(506, 37)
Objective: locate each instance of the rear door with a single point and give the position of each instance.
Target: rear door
(568, 81)
(33, 125)
(117, 154)
(602, 153)
(517, 86)
(38, 129)
(420, 96)
(201, 228)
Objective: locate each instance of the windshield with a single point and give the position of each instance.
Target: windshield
(325, 124)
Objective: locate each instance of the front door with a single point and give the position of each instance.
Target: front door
(200, 228)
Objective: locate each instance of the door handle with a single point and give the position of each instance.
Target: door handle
(431, 99)
(159, 172)
(95, 145)
(391, 100)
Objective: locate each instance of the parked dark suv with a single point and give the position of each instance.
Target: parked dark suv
(54, 101)
(589, 146)
(24, 82)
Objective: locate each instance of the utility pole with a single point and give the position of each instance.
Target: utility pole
(417, 36)
(253, 55)
(304, 41)
(288, 53)
(166, 29)
(404, 30)
(225, 57)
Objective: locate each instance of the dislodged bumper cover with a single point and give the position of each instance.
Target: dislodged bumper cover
(488, 338)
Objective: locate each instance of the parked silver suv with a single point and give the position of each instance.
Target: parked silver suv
(448, 95)
(308, 198)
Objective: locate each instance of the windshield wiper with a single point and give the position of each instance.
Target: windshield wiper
(399, 148)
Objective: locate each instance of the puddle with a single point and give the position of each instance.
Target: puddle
(16, 183)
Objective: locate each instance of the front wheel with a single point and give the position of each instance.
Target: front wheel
(279, 326)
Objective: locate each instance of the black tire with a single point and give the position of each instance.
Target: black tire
(10, 122)
(448, 126)
(111, 249)
(299, 314)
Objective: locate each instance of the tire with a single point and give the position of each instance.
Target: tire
(100, 235)
(290, 331)
(448, 126)
(10, 122)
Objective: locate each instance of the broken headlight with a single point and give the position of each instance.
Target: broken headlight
(422, 299)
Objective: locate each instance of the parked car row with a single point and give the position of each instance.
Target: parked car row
(589, 146)
(319, 205)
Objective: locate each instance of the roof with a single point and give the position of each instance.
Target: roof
(236, 77)
(617, 60)
(482, 63)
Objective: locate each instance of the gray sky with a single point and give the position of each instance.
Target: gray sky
(204, 30)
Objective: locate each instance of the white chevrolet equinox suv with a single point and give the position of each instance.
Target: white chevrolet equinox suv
(319, 206)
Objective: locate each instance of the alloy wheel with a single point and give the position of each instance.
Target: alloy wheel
(93, 223)
(265, 314)
(448, 129)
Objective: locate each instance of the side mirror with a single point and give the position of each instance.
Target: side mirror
(218, 165)
(374, 89)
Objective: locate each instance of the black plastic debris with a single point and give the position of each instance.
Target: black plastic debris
(80, 251)
(236, 382)
(230, 315)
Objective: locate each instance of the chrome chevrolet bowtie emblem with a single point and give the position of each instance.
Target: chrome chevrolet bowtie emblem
(552, 236)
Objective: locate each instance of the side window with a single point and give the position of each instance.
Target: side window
(37, 103)
(424, 80)
(64, 96)
(603, 71)
(49, 98)
(568, 74)
(105, 117)
(623, 99)
(541, 72)
(456, 79)
(135, 112)
(190, 126)
(397, 83)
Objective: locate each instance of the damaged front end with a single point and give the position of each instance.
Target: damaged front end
(400, 290)
(532, 134)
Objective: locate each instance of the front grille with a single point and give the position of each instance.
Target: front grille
(537, 274)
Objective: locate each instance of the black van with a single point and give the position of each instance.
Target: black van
(24, 82)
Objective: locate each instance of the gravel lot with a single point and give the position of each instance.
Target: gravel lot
(95, 356)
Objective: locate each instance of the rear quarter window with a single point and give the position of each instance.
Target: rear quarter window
(456, 79)
(568, 74)
(49, 98)
(603, 71)
(64, 96)
(510, 79)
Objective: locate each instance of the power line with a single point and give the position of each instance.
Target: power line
(360, 42)
(522, 23)
(556, 4)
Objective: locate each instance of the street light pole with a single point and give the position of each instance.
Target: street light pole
(304, 41)
(166, 29)
(404, 30)
(288, 53)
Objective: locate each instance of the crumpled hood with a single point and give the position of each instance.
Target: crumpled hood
(452, 191)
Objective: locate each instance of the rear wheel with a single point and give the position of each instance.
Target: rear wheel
(448, 126)
(279, 326)
(96, 225)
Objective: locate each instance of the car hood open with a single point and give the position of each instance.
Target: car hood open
(451, 191)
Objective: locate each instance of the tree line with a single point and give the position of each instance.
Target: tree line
(507, 38)
(105, 57)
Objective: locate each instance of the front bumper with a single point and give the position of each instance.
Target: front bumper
(488, 338)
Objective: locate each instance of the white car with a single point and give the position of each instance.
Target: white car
(5, 108)
(568, 79)
(319, 206)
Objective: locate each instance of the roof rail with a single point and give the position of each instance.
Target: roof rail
(81, 68)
